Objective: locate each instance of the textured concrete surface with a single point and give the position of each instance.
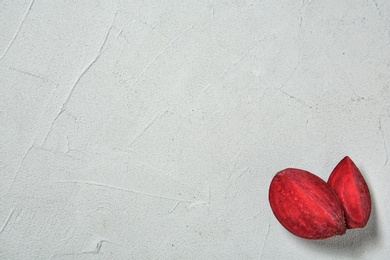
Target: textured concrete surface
(152, 129)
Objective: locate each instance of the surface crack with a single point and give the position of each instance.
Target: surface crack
(95, 251)
(19, 167)
(296, 99)
(289, 76)
(245, 53)
(154, 120)
(27, 73)
(7, 220)
(161, 53)
(384, 141)
(265, 240)
(18, 30)
(82, 74)
(108, 186)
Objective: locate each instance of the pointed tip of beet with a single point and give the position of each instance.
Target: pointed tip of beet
(351, 188)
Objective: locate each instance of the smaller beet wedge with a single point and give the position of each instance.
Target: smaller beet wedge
(352, 190)
(306, 205)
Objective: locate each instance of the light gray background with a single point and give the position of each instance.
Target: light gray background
(152, 129)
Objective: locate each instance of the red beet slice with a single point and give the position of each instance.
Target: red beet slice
(306, 205)
(351, 188)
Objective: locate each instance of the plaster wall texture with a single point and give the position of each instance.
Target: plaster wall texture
(152, 129)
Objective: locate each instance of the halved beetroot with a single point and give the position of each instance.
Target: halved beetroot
(351, 188)
(306, 205)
